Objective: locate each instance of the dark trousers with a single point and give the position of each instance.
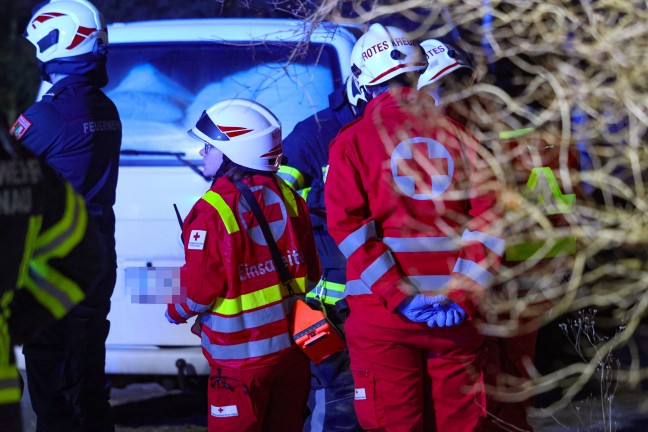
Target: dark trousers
(10, 418)
(66, 367)
(331, 397)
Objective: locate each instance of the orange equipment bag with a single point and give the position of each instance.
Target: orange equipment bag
(314, 333)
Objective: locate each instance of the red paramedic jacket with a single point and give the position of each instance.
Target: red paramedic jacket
(230, 277)
(411, 204)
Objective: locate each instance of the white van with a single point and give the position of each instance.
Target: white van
(163, 74)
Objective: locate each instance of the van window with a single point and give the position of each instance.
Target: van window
(160, 89)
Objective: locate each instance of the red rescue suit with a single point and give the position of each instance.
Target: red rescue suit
(408, 205)
(259, 379)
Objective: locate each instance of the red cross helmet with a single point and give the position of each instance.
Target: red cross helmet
(245, 131)
(383, 53)
(442, 59)
(67, 28)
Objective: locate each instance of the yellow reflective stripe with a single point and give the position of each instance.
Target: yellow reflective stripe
(532, 249)
(5, 313)
(329, 292)
(56, 242)
(564, 203)
(516, 133)
(60, 231)
(304, 192)
(292, 176)
(33, 228)
(334, 286)
(9, 385)
(257, 299)
(225, 212)
(289, 199)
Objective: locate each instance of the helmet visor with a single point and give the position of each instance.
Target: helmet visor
(207, 127)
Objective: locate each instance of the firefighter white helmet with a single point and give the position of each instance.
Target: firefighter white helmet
(67, 28)
(383, 53)
(245, 131)
(442, 59)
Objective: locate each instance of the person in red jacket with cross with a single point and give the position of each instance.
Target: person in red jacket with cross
(411, 205)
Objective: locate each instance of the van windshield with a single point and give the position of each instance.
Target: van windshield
(161, 89)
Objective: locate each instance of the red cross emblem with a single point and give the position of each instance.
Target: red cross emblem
(420, 167)
(272, 212)
(196, 236)
(220, 409)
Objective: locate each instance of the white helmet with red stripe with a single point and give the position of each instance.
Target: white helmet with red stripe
(442, 59)
(245, 131)
(383, 53)
(67, 28)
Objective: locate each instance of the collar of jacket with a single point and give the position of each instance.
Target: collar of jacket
(397, 96)
(67, 81)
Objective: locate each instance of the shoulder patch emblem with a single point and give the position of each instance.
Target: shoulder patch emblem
(20, 127)
(197, 239)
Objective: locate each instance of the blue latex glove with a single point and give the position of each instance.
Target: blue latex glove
(422, 308)
(446, 315)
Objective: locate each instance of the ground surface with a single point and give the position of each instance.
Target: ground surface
(148, 407)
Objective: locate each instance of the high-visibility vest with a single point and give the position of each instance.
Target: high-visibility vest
(251, 326)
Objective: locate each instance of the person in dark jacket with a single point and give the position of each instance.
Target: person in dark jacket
(76, 129)
(304, 168)
(51, 258)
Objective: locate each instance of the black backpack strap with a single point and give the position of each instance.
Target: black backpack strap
(248, 196)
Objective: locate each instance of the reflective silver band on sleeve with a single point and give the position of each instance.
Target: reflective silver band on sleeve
(493, 243)
(378, 268)
(421, 244)
(474, 271)
(357, 238)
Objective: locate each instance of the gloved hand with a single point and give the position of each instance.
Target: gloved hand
(446, 315)
(421, 308)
